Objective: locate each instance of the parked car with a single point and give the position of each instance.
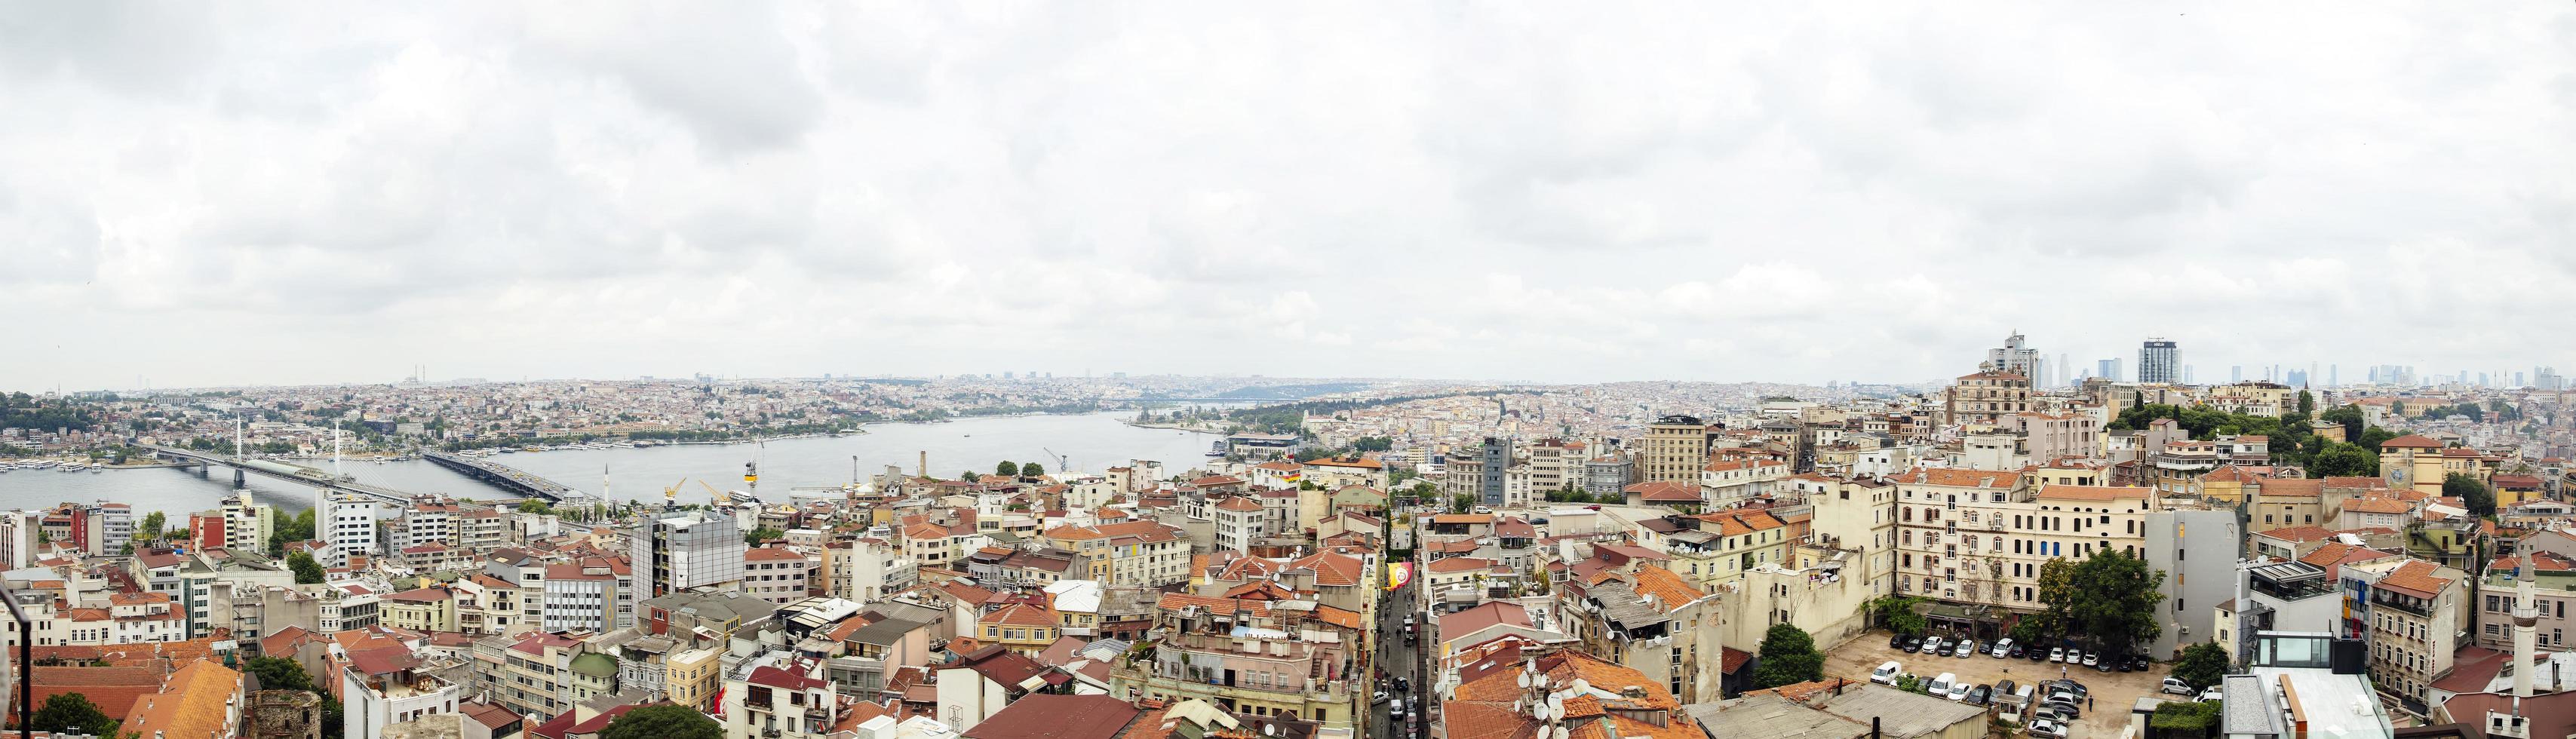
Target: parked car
(1940, 685)
(2211, 694)
(1896, 641)
(2175, 686)
(1966, 647)
(1959, 691)
(1913, 644)
(1932, 644)
(1977, 696)
(2004, 688)
(2092, 658)
(2047, 729)
(2056, 654)
(2139, 664)
(2003, 647)
(2049, 713)
(2065, 703)
(2018, 651)
(1380, 697)
(1887, 672)
(1403, 687)
(2070, 686)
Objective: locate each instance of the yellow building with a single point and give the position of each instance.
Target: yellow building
(426, 609)
(2412, 462)
(692, 677)
(1727, 543)
(1020, 627)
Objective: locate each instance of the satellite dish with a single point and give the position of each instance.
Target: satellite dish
(1524, 679)
(1582, 686)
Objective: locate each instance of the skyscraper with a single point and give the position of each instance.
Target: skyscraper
(2236, 373)
(2108, 369)
(2157, 362)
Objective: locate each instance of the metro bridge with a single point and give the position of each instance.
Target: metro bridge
(291, 473)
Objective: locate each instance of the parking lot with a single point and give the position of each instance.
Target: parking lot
(2113, 692)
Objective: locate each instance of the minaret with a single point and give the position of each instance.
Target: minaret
(2525, 616)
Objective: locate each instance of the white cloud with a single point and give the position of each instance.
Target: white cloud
(1516, 192)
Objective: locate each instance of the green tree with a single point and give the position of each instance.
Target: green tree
(969, 476)
(153, 523)
(72, 713)
(2307, 403)
(1788, 657)
(2202, 665)
(2372, 437)
(2342, 459)
(1462, 503)
(1032, 469)
(2056, 596)
(662, 722)
(307, 571)
(536, 505)
(279, 673)
(1899, 615)
(1007, 469)
(2349, 416)
(2397, 409)
(762, 534)
(2111, 599)
(2480, 501)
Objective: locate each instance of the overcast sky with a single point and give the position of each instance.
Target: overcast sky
(196, 194)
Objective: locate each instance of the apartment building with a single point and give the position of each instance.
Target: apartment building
(2414, 616)
(349, 524)
(1132, 554)
(1609, 474)
(1240, 524)
(1986, 398)
(776, 574)
(1981, 537)
(1646, 617)
(1674, 449)
(1857, 515)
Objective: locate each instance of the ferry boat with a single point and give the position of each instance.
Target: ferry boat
(1216, 449)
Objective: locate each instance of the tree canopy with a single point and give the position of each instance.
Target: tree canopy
(2111, 599)
(1898, 613)
(72, 713)
(664, 721)
(279, 673)
(1007, 469)
(764, 533)
(2344, 459)
(1032, 469)
(2202, 665)
(2480, 500)
(1788, 657)
(307, 571)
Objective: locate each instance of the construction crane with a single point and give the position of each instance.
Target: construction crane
(1061, 466)
(671, 495)
(717, 496)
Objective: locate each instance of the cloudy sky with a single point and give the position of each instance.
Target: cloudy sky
(200, 195)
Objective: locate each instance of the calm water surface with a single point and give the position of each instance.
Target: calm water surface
(1091, 442)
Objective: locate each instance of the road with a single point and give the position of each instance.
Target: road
(1397, 659)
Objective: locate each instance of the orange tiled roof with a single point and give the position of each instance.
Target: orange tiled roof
(189, 706)
(2376, 505)
(2300, 533)
(2416, 576)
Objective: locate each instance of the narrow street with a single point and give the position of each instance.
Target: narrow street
(1398, 660)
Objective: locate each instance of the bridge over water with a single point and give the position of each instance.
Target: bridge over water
(290, 473)
(507, 478)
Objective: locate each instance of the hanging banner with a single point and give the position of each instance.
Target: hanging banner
(1398, 574)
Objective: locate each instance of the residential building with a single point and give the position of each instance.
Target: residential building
(1674, 449)
(776, 574)
(1130, 554)
(2413, 615)
(203, 700)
